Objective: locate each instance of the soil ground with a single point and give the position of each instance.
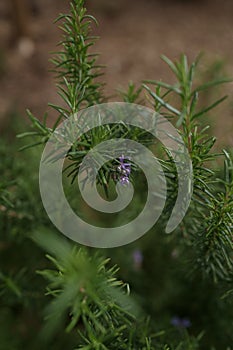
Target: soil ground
(134, 34)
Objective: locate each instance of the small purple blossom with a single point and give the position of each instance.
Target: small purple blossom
(180, 322)
(137, 258)
(124, 169)
(124, 180)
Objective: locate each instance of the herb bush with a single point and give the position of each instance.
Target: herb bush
(179, 287)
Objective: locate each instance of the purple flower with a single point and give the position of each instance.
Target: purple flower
(180, 322)
(124, 169)
(124, 180)
(137, 258)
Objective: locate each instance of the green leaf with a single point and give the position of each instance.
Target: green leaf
(207, 109)
(211, 84)
(171, 65)
(161, 101)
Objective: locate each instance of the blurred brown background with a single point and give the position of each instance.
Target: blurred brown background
(134, 34)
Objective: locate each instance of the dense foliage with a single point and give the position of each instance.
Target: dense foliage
(179, 287)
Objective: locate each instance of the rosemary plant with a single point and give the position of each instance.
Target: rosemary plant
(90, 307)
